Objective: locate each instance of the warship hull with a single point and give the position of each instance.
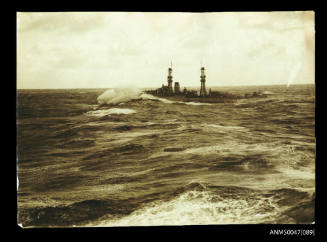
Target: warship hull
(201, 99)
(225, 98)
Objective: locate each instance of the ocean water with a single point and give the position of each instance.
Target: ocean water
(91, 157)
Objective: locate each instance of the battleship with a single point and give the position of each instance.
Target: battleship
(202, 95)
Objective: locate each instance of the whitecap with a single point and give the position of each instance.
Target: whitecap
(119, 95)
(200, 207)
(105, 112)
(150, 97)
(227, 127)
(196, 104)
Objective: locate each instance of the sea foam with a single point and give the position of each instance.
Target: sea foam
(151, 97)
(200, 207)
(105, 112)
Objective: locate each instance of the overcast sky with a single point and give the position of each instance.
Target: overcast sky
(104, 49)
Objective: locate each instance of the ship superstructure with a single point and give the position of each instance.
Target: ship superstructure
(166, 91)
(193, 95)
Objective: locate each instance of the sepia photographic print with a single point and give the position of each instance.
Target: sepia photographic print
(165, 118)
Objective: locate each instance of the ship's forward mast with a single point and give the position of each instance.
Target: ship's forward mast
(170, 78)
(203, 91)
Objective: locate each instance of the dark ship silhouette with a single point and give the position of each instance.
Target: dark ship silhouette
(193, 95)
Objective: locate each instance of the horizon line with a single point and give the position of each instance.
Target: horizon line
(47, 88)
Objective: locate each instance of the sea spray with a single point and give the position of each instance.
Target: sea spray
(119, 95)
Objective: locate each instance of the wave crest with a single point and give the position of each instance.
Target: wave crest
(116, 96)
(105, 112)
(199, 204)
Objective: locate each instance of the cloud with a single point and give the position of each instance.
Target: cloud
(107, 49)
(271, 21)
(59, 22)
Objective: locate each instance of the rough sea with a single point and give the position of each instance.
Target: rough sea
(141, 160)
